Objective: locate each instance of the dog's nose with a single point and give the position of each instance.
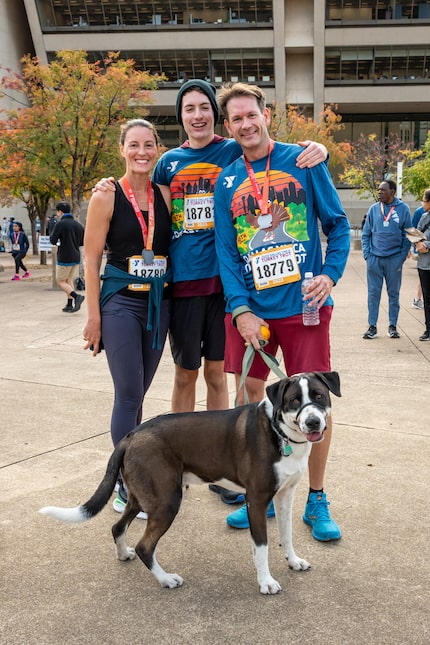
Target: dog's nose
(313, 423)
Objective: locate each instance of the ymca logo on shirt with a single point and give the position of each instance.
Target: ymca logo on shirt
(228, 181)
(172, 166)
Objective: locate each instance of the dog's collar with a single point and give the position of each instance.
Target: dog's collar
(284, 440)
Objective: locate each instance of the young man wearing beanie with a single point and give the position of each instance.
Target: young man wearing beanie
(198, 306)
(70, 233)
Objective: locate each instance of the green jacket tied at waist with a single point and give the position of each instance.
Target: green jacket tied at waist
(115, 279)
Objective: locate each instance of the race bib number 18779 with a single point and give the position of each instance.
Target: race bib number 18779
(274, 267)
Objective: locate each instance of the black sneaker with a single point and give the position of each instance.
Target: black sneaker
(68, 309)
(227, 496)
(78, 301)
(392, 332)
(425, 336)
(371, 332)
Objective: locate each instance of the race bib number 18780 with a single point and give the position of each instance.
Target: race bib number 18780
(137, 266)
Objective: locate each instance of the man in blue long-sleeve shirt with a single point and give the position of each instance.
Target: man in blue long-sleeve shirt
(385, 248)
(266, 235)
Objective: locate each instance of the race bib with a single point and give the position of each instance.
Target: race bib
(15, 247)
(198, 212)
(138, 267)
(274, 267)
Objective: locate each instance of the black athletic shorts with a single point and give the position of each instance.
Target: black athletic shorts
(197, 329)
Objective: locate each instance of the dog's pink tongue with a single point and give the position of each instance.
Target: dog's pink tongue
(313, 436)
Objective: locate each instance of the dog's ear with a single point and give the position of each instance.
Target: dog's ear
(275, 392)
(331, 379)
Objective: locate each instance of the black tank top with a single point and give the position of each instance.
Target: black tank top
(124, 237)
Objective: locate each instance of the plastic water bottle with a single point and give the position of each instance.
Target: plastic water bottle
(311, 315)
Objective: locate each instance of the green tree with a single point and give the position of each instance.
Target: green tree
(64, 133)
(290, 125)
(416, 173)
(371, 161)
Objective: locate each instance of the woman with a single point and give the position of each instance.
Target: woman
(131, 312)
(423, 263)
(20, 245)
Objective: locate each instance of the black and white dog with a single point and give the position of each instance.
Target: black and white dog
(261, 447)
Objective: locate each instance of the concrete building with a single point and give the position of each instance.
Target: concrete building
(15, 40)
(371, 58)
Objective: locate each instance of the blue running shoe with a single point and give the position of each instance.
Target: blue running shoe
(317, 515)
(239, 519)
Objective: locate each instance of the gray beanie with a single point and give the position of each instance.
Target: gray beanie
(203, 86)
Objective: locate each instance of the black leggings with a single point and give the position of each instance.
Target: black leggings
(19, 264)
(424, 275)
(132, 361)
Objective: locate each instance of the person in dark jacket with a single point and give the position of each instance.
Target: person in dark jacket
(20, 245)
(51, 224)
(70, 233)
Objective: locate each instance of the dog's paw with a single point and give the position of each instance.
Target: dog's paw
(270, 587)
(172, 581)
(128, 553)
(298, 564)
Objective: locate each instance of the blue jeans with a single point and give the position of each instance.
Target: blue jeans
(380, 269)
(132, 361)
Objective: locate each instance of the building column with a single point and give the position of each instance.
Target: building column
(319, 57)
(279, 51)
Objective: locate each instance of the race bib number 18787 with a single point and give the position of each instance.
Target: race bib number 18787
(198, 212)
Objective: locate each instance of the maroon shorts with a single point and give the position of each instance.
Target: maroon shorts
(305, 349)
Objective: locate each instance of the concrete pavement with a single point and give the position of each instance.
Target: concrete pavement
(62, 584)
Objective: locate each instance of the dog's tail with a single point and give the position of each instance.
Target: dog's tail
(100, 498)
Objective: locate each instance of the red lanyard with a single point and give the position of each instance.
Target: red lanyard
(262, 198)
(147, 231)
(390, 212)
(16, 238)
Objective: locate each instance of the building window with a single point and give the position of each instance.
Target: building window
(217, 66)
(378, 64)
(359, 10)
(57, 14)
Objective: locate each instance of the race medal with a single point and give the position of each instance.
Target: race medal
(138, 266)
(275, 267)
(148, 256)
(198, 211)
(264, 221)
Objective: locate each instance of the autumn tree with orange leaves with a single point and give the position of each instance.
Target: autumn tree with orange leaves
(63, 133)
(290, 124)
